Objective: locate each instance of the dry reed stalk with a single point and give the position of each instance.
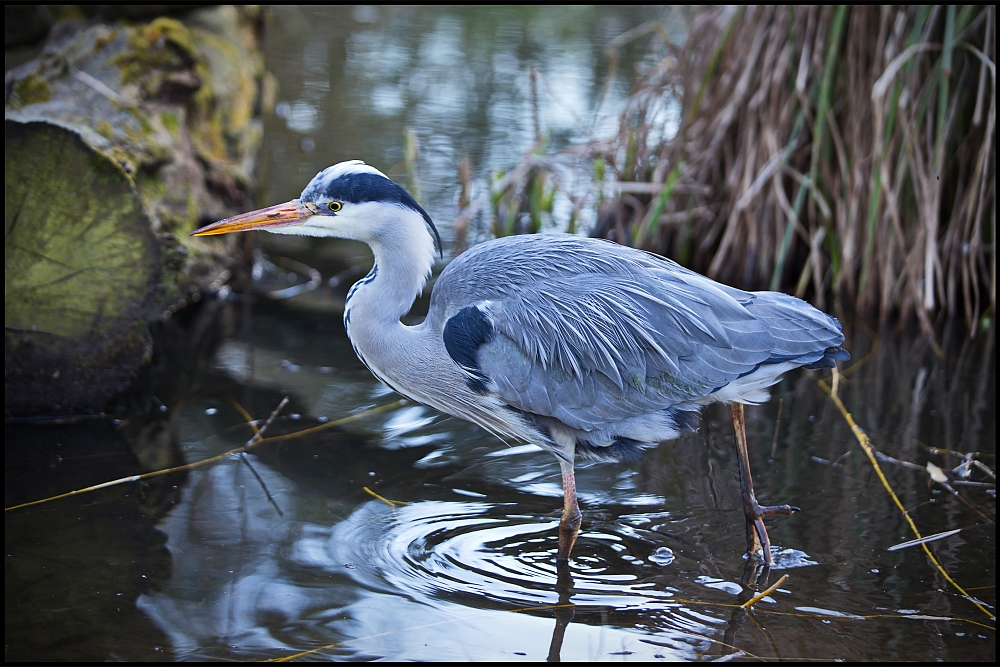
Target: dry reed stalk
(843, 153)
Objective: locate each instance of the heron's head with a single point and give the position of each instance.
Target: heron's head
(350, 200)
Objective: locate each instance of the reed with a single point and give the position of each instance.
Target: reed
(842, 154)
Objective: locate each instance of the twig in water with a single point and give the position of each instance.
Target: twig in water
(841, 458)
(253, 442)
(315, 279)
(274, 503)
(865, 443)
(764, 593)
(338, 422)
(906, 464)
(985, 468)
(243, 455)
(941, 450)
(924, 540)
(390, 503)
(953, 491)
(259, 433)
(964, 469)
(962, 482)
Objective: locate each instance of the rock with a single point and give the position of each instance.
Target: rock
(120, 140)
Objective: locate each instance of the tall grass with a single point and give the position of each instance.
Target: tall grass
(843, 154)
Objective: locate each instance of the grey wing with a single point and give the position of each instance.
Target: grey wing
(594, 344)
(802, 334)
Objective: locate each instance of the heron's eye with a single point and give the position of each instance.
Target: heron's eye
(335, 206)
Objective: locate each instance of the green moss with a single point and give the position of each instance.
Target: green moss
(207, 136)
(105, 129)
(226, 61)
(78, 260)
(151, 189)
(140, 146)
(104, 40)
(170, 121)
(165, 45)
(125, 160)
(173, 257)
(204, 95)
(172, 203)
(144, 124)
(192, 214)
(32, 89)
(172, 31)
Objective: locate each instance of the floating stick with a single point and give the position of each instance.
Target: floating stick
(764, 593)
(924, 540)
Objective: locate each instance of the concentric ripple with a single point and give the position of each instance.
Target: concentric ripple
(474, 552)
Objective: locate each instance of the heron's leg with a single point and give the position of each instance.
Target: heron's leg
(753, 512)
(569, 525)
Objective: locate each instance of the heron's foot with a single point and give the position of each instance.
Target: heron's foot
(754, 572)
(569, 528)
(756, 532)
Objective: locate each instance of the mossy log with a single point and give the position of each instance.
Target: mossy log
(119, 140)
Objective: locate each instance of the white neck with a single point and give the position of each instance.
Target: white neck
(411, 360)
(404, 254)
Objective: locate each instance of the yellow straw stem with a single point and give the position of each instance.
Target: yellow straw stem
(764, 593)
(865, 443)
(338, 422)
(390, 503)
(253, 442)
(246, 415)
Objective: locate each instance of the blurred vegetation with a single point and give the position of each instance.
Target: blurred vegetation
(842, 154)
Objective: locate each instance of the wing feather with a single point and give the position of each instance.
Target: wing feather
(590, 332)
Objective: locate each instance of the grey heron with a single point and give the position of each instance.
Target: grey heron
(581, 346)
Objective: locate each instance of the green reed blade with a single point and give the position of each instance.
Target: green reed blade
(786, 240)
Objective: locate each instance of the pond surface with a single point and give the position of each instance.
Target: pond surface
(405, 534)
(476, 83)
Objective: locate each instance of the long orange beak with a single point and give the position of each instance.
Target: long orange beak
(282, 215)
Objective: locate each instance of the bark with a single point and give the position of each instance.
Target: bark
(119, 140)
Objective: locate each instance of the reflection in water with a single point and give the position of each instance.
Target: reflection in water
(386, 581)
(439, 576)
(465, 569)
(223, 526)
(564, 610)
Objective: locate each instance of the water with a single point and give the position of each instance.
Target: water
(353, 82)
(405, 534)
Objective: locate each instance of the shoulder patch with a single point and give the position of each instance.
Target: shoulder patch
(463, 333)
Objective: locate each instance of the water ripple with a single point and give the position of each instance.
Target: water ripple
(470, 551)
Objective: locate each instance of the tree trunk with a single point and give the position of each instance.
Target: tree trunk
(119, 140)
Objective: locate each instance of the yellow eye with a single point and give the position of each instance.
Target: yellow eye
(335, 206)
